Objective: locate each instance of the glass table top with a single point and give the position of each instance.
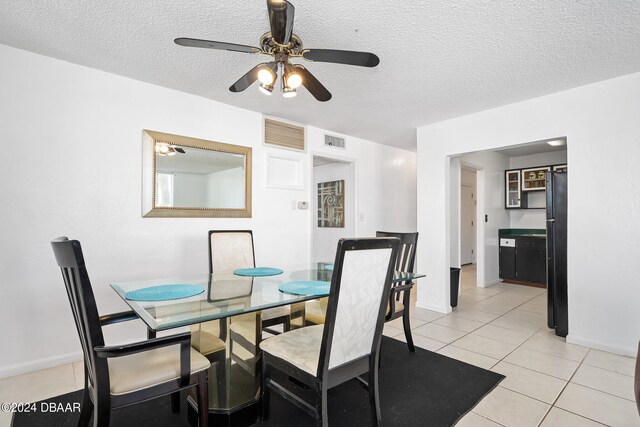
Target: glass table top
(226, 294)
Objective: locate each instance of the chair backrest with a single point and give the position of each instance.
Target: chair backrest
(230, 250)
(407, 250)
(69, 257)
(360, 288)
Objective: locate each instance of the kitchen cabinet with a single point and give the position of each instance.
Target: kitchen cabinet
(519, 183)
(535, 179)
(531, 259)
(513, 190)
(523, 258)
(507, 259)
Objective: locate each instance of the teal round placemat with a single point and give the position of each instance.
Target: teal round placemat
(257, 271)
(306, 287)
(164, 292)
(329, 267)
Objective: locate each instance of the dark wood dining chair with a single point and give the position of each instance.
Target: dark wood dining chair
(347, 345)
(122, 375)
(400, 298)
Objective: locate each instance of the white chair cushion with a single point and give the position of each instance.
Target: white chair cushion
(300, 347)
(206, 343)
(315, 311)
(147, 369)
(398, 306)
(245, 328)
(272, 313)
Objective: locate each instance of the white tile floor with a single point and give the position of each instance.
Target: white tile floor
(548, 382)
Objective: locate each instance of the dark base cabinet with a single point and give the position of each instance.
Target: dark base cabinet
(507, 263)
(525, 261)
(531, 259)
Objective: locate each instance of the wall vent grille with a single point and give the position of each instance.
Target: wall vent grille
(333, 141)
(283, 134)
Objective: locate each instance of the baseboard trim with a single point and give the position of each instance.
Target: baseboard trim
(489, 284)
(439, 308)
(38, 364)
(624, 351)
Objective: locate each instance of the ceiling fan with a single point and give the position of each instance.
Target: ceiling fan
(282, 45)
(164, 149)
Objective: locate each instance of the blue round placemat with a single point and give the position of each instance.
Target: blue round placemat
(306, 287)
(257, 271)
(164, 292)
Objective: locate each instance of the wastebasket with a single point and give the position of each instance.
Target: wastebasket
(455, 282)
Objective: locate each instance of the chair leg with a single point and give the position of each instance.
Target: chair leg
(87, 408)
(374, 400)
(202, 389)
(322, 415)
(407, 331)
(175, 402)
(287, 324)
(265, 390)
(221, 378)
(101, 415)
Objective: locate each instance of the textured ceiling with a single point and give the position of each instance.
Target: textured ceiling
(439, 59)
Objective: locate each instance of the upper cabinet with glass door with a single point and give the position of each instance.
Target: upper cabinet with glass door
(513, 190)
(535, 179)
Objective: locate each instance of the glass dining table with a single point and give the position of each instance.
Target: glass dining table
(229, 309)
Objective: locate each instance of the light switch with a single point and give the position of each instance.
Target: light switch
(303, 205)
(361, 217)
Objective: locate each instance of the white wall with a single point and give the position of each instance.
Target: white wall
(190, 189)
(385, 182)
(533, 218)
(325, 238)
(71, 143)
(602, 128)
(226, 188)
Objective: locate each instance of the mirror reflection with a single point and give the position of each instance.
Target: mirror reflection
(185, 177)
(189, 177)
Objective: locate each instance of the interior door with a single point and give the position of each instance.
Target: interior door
(467, 225)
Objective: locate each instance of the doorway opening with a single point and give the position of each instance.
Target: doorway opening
(333, 205)
(468, 214)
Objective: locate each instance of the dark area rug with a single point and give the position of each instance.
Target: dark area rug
(419, 389)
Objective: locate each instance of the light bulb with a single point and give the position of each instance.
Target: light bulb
(294, 80)
(163, 149)
(288, 92)
(266, 76)
(266, 89)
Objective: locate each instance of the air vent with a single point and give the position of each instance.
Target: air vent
(333, 141)
(284, 135)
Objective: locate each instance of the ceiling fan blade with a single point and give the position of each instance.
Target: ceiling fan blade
(246, 80)
(210, 44)
(179, 150)
(281, 19)
(313, 85)
(251, 76)
(349, 57)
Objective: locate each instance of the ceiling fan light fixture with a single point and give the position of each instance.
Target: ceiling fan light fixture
(289, 92)
(163, 149)
(266, 76)
(266, 89)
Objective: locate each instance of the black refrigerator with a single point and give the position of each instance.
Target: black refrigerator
(557, 316)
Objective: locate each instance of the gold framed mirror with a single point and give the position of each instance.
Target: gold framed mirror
(185, 177)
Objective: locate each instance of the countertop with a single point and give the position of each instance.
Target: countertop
(525, 232)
